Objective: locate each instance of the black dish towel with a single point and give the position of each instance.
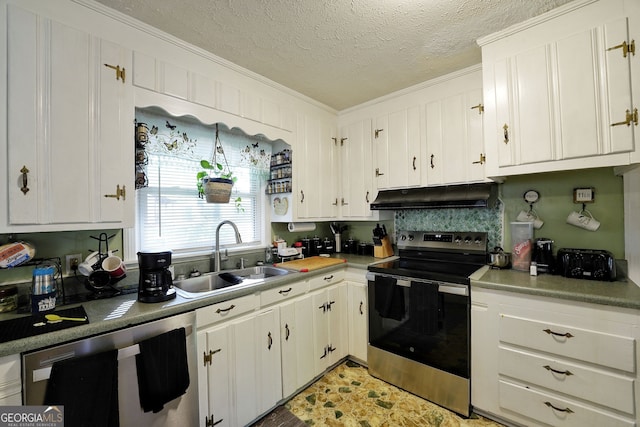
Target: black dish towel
(389, 301)
(87, 386)
(163, 373)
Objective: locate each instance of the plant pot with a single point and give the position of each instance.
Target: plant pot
(217, 190)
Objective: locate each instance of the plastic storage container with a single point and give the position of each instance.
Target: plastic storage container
(521, 245)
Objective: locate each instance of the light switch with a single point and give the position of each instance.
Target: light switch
(583, 195)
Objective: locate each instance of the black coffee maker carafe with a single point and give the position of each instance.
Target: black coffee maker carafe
(155, 284)
(543, 255)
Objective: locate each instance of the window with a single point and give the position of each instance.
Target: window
(169, 215)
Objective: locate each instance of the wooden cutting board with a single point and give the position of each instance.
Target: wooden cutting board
(311, 263)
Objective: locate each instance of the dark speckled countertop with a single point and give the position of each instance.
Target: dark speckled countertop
(119, 312)
(622, 293)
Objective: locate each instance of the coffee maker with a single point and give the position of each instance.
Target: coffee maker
(543, 255)
(155, 284)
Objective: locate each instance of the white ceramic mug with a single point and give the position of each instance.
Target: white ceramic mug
(115, 266)
(583, 219)
(530, 216)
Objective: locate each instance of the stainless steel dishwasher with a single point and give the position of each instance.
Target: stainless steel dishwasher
(183, 411)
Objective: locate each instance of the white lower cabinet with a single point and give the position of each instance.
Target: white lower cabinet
(257, 349)
(539, 361)
(296, 336)
(330, 326)
(357, 313)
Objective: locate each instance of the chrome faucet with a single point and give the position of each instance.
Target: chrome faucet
(216, 262)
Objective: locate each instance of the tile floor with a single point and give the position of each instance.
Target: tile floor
(349, 396)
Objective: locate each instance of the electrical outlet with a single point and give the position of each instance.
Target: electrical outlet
(71, 263)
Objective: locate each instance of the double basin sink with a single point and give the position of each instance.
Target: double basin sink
(212, 283)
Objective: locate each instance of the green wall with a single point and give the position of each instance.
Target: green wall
(556, 202)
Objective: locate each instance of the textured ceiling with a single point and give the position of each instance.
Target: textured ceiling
(338, 52)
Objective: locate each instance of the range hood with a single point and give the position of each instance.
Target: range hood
(480, 195)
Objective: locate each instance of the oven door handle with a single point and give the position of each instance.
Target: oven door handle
(453, 289)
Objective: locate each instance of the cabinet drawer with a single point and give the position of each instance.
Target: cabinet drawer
(225, 310)
(326, 279)
(540, 406)
(604, 388)
(568, 341)
(284, 292)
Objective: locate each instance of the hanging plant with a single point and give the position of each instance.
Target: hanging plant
(216, 180)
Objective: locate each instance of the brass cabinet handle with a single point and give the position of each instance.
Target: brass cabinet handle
(550, 332)
(335, 141)
(343, 202)
(431, 161)
(342, 140)
(224, 310)
(301, 196)
(482, 159)
(626, 48)
(377, 132)
(284, 291)
(269, 341)
(120, 73)
(414, 162)
(506, 133)
(208, 358)
(361, 312)
(119, 193)
(629, 118)
(335, 203)
(24, 171)
(480, 108)
(287, 332)
(366, 198)
(327, 277)
(378, 173)
(549, 368)
(550, 405)
(329, 304)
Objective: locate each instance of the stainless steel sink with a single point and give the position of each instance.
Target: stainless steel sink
(211, 283)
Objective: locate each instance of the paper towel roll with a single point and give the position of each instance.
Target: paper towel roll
(301, 226)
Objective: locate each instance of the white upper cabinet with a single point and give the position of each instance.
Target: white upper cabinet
(397, 143)
(69, 132)
(315, 165)
(454, 138)
(356, 158)
(558, 91)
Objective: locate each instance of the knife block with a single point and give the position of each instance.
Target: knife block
(384, 250)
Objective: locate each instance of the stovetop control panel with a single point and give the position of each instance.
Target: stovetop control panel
(458, 240)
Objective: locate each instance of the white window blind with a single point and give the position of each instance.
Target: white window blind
(170, 216)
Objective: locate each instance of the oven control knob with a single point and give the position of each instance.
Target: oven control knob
(403, 237)
(478, 241)
(410, 237)
(467, 240)
(458, 239)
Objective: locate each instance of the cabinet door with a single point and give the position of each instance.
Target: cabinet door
(397, 148)
(316, 169)
(358, 321)
(357, 175)
(257, 372)
(338, 325)
(65, 107)
(296, 336)
(214, 386)
(455, 149)
(320, 331)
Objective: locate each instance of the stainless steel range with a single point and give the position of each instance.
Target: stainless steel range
(419, 315)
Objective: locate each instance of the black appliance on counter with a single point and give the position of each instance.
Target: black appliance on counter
(590, 264)
(420, 315)
(543, 255)
(155, 284)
